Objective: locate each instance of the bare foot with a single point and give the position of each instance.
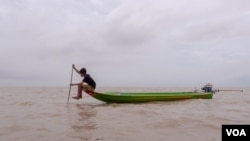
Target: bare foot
(76, 97)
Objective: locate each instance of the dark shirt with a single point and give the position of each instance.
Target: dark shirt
(89, 80)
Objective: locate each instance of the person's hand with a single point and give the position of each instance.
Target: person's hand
(73, 66)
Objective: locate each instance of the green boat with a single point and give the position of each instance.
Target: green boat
(137, 97)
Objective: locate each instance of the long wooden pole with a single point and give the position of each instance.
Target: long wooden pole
(70, 85)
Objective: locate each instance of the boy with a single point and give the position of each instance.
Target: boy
(87, 84)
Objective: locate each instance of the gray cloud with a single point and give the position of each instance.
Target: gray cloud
(125, 43)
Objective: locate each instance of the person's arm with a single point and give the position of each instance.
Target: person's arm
(74, 84)
(73, 66)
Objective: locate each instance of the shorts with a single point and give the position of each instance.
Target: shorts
(87, 88)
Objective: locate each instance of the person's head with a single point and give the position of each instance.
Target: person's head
(83, 72)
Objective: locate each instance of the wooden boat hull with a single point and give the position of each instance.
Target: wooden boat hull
(135, 97)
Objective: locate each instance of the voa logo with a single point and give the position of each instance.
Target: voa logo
(236, 132)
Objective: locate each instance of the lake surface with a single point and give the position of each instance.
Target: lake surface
(42, 114)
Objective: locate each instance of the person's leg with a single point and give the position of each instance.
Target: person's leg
(79, 92)
(80, 87)
(88, 89)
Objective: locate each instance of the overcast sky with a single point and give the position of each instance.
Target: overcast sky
(158, 43)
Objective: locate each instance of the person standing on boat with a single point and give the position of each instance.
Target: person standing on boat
(88, 84)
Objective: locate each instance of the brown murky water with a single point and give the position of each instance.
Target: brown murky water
(41, 114)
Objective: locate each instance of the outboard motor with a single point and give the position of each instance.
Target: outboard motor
(207, 88)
